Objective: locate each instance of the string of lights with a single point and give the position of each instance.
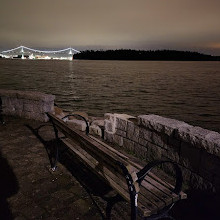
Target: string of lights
(40, 51)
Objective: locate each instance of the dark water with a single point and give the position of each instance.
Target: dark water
(188, 91)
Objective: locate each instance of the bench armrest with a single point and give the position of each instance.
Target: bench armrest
(179, 179)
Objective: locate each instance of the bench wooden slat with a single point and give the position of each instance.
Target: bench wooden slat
(161, 191)
(151, 178)
(167, 185)
(160, 184)
(111, 179)
(146, 195)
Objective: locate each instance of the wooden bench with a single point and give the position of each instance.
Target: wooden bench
(147, 194)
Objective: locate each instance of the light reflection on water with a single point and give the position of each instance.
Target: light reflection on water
(188, 91)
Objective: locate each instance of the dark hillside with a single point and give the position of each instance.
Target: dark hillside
(144, 55)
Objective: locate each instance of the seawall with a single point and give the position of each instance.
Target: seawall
(195, 149)
(26, 104)
(149, 137)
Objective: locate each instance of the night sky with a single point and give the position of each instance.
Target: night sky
(111, 24)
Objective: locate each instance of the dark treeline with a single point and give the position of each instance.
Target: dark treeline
(144, 55)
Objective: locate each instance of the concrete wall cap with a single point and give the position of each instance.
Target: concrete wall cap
(161, 124)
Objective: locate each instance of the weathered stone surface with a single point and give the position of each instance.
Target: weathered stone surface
(108, 136)
(132, 131)
(128, 144)
(28, 107)
(160, 140)
(209, 166)
(95, 130)
(160, 124)
(172, 155)
(140, 151)
(121, 133)
(154, 152)
(142, 142)
(186, 173)
(109, 126)
(26, 104)
(214, 138)
(118, 140)
(201, 138)
(174, 143)
(121, 124)
(190, 156)
(109, 116)
(197, 182)
(98, 122)
(145, 134)
(78, 124)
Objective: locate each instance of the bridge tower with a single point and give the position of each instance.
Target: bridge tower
(71, 54)
(22, 52)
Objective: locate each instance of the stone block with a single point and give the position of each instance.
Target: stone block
(154, 152)
(172, 155)
(5, 102)
(197, 182)
(98, 123)
(142, 142)
(8, 93)
(121, 124)
(132, 131)
(199, 137)
(160, 140)
(186, 173)
(160, 124)
(41, 117)
(78, 124)
(190, 156)
(19, 105)
(140, 151)
(121, 133)
(109, 116)
(33, 95)
(95, 130)
(109, 126)
(145, 134)
(108, 136)
(48, 107)
(214, 138)
(174, 143)
(118, 140)
(28, 107)
(209, 166)
(128, 145)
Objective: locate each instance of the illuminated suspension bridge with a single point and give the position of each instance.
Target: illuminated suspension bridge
(29, 53)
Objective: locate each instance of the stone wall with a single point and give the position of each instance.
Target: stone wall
(26, 104)
(151, 137)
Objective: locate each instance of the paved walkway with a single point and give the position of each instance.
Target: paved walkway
(28, 189)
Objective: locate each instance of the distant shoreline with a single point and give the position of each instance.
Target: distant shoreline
(142, 55)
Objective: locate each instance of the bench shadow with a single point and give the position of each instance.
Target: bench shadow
(8, 187)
